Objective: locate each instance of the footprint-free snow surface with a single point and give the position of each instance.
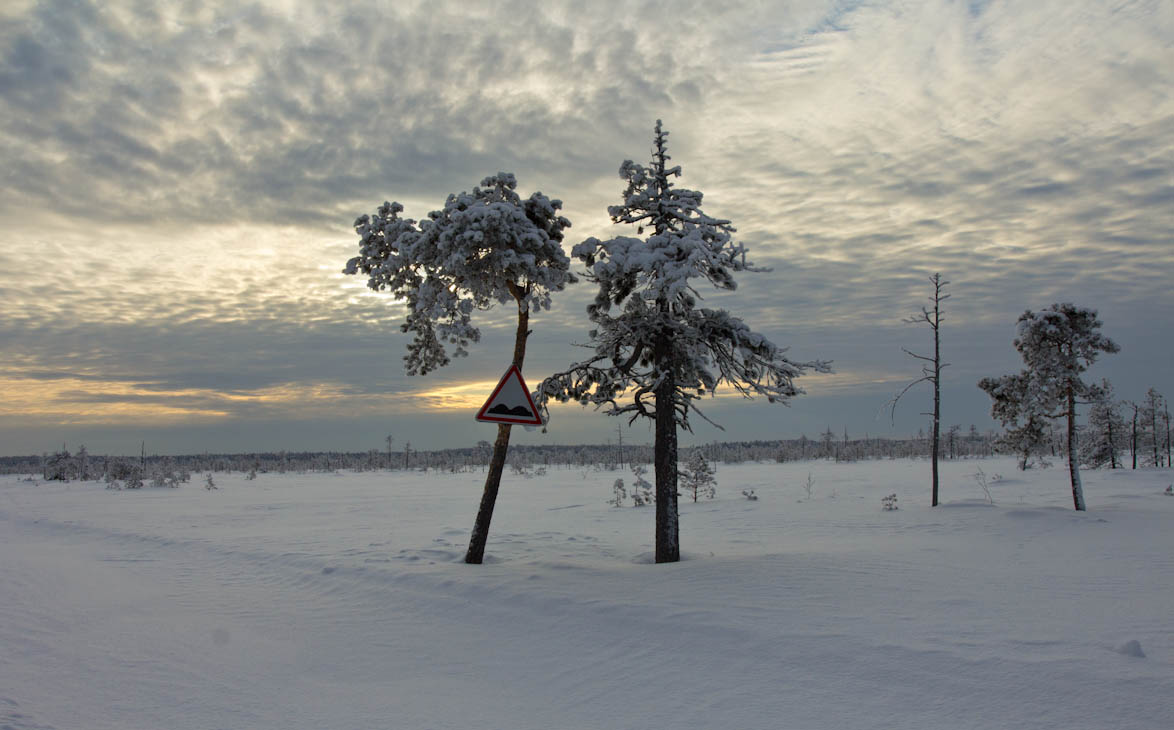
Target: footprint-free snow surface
(340, 601)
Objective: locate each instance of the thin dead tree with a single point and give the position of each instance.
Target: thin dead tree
(1133, 435)
(931, 372)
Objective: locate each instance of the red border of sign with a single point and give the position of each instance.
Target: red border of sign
(510, 420)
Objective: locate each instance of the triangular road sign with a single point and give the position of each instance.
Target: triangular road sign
(510, 402)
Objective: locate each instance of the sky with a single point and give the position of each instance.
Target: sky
(179, 182)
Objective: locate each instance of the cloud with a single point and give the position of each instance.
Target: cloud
(177, 180)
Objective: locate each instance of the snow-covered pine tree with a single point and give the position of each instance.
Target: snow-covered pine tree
(1152, 430)
(1057, 344)
(697, 477)
(652, 342)
(1107, 434)
(483, 248)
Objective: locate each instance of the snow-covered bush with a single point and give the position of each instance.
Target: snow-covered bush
(889, 503)
(750, 495)
(980, 478)
(167, 473)
(641, 487)
(58, 467)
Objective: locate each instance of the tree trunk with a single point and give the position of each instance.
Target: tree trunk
(1133, 437)
(476, 552)
(1167, 434)
(937, 404)
(1112, 445)
(1154, 429)
(1073, 459)
(665, 461)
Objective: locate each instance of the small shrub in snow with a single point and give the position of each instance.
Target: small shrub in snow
(889, 503)
(980, 478)
(809, 485)
(750, 495)
(165, 478)
(252, 474)
(58, 467)
(208, 483)
(527, 471)
(641, 487)
(619, 494)
(133, 479)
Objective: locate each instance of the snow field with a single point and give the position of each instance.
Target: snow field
(339, 601)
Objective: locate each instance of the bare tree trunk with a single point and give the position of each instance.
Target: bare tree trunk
(1167, 433)
(1112, 445)
(937, 418)
(1133, 437)
(1154, 428)
(476, 552)
(1073, 459)
(665, 462)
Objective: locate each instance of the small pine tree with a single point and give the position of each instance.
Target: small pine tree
(1057, 345)
(1153, 432)
(697, 477)
(641, 487)
(1106, 435)
(619, 494)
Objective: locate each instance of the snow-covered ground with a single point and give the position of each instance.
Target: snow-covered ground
(339, 601)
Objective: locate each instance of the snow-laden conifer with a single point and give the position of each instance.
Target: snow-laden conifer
(654, 347)
(1026, 426)
(482, 248)
(1154, 436)
(1106, 435)
(1057, 344)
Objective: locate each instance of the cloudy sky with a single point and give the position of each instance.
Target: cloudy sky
(178, 183)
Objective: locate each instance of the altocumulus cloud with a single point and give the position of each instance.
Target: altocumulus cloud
(179, 179)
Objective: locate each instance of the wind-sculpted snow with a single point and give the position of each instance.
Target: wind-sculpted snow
(321, 601)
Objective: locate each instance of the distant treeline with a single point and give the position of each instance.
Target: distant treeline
(85, 466)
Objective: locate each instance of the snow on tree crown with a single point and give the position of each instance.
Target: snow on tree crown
(482, 247)
(685, 242)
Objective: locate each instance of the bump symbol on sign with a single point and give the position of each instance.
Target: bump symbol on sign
(510, 402)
